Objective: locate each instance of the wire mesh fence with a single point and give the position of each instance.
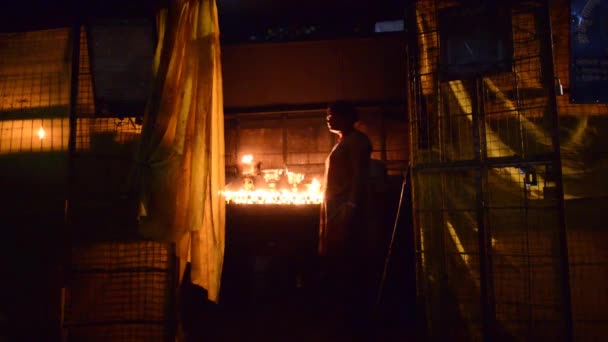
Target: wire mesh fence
(583, 130)
(34, 91)
(120, 287)
(487, 205)
(97, 134)
(119, 292)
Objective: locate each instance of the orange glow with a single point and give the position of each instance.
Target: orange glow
(314, 186)
(41, 133)
(247, 167)
(34, 135)
(247, 159)
(269, 186)
(272, 197)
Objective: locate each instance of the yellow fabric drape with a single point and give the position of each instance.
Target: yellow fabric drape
(182, 147)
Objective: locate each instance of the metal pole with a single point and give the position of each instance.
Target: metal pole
(548, 68)
(391, 244)
(67, 232)
(71, 143)
(413, 102)
(486, 282)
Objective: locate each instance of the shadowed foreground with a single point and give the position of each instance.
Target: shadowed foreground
(270, 306)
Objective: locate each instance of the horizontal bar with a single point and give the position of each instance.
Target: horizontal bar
(122, 270)
(116, 322)
(514, 161)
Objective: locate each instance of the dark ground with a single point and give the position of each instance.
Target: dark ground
(264, 303)
(262, 300)
(268, 249)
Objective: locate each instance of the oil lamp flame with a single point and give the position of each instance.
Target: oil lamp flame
(41, 133)
(272, 190)
(272, 197)
(247, 166)
(312, 195)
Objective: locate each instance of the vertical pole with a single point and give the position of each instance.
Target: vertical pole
(411, 107)
(562, 244)
(173, 293)
(413, 311)
(92, 74)
(484, 239)
(68, 233)
(72, 141)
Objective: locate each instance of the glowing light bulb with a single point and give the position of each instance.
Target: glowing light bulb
(41, 133)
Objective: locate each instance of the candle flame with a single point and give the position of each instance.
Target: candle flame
(312, 195)
(41, 133)
(250, 193)
(272, 197)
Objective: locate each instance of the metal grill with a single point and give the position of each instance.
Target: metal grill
(34, 91)
(120, 287)
(104, 151)
(487, 197)
(583, 127)
(99, 135)
(118, 292)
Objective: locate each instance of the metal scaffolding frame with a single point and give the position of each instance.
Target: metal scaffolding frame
(491, 250)
(119, 286)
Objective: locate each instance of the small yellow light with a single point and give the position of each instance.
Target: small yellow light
(41, 133)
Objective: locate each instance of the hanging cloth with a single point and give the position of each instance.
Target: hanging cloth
(181, 167)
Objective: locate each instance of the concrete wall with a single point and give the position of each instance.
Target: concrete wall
(292, 75)
(363, 69)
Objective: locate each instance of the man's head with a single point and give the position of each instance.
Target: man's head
(341, 116)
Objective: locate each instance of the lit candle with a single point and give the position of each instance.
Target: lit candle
(248, 167)
(41, 133)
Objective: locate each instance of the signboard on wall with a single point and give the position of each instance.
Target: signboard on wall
(589, 51)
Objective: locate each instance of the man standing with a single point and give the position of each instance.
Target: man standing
(343, 232)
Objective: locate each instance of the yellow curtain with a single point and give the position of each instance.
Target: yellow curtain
(181, 156)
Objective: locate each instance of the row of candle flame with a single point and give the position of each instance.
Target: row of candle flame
(247, 194)
(272, 197)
